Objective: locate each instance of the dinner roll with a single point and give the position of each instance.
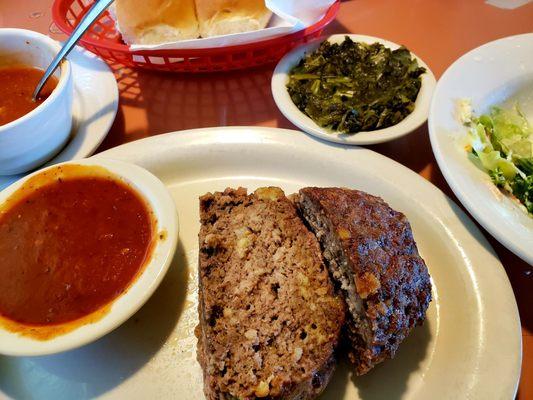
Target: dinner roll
(222, 17)
(156, 21)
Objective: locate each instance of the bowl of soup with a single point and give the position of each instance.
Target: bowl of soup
(31, 132)
(83, 246)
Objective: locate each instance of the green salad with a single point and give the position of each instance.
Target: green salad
(352, 87)
(502, 142)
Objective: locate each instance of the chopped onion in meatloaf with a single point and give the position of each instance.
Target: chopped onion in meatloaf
(269, 317)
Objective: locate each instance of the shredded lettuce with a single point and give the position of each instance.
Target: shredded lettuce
(502, 141)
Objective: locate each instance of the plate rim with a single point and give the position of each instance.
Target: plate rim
(465, 225)
(473, 208)
(285, 105)
(114, 96)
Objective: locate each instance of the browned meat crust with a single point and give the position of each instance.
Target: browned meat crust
(269, 317)
(371, 253)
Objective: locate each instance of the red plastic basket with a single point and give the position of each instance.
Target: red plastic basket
(103, 39)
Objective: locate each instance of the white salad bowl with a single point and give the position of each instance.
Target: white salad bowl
(302, 121)
(499, 71)
(36, 137)
(165, 217)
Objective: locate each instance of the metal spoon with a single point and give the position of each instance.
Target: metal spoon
(92, 15)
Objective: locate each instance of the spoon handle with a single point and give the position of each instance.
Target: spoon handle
(92, 15)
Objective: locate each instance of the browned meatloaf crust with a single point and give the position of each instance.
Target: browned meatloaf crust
(269, 318)
(371, 253)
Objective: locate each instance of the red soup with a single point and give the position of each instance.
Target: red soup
(70, 247)
(16, 88)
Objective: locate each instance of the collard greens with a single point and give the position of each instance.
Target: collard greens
(352, 87)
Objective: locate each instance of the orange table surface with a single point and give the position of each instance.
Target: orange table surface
(438, 31)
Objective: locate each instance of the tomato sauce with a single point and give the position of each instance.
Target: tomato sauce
(16, 88)
(70, 247)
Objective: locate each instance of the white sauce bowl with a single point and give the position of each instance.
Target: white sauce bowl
(283, 100)
(159, 200)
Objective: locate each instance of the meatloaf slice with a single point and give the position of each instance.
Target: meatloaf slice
(371, 253)
(269, 317)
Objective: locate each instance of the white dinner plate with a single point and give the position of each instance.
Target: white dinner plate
(500, 71)
(302, 121)
(469, 347)
(94, 108)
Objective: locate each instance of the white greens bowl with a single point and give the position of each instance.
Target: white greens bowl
(302, 121)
